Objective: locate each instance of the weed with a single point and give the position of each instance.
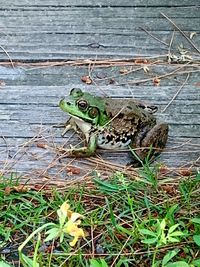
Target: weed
(127, 222)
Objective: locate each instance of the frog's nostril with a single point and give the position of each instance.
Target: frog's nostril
(68, 103)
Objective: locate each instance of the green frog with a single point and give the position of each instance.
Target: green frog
(113, 124)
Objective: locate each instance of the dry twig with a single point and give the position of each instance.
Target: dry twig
(186, 37)
(7, 54)
(176, 93)
(154, 37)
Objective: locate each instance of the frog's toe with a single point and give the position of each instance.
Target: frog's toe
(134, 163)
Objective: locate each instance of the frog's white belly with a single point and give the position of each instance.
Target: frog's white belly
(105, 138)
(105, 143)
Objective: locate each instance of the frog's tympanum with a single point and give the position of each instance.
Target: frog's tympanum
(113, 124)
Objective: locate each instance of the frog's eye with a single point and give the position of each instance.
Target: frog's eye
(76, 92)
(82, 105)
(93, 112)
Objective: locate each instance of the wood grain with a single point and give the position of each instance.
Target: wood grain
(35, 31)
(41, 32)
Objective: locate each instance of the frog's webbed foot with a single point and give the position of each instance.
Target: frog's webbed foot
(76, 152)
(80, 152)
(134, 163)
(84, 151)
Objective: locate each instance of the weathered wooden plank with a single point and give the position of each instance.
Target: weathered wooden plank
(93, 39)
(39, 163)
(70, 76)
(24, 129)
(45, 30)
(69, 32)
(50, 95)
(79, 53)
(65, 52)
(34, 110)
(99, 42)
(100, 3)
(48, 113)
(36, 162)
(116, 14)
(25, 109)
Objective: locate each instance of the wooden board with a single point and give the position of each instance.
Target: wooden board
(28, 114)
(53, 45)
(45, 31)
(101, 3)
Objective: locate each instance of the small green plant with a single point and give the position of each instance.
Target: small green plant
(5, 264)
(148, 173)
(161, 235)
(196, 236)
(68, 224)
(186, 188)
(98, 263)
(131, 221)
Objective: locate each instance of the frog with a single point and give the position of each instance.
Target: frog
(113, 124)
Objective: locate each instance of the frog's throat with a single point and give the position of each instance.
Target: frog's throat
(82, 118)
(84, 126)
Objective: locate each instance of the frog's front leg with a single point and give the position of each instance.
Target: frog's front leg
(85, 151)
(68, 125)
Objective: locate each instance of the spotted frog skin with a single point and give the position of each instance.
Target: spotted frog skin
(113, 124)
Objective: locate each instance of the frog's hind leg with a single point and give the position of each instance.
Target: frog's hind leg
(154, 141)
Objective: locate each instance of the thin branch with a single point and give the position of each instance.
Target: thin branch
(7, 55)
(171, 41)
(85, 62)
(92, 239)
(161, 76)
(129, 71)
(176, 93)
(113, 263)
(187, 38)
(154, 37)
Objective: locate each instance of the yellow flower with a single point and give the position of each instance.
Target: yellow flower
(72, 229)
(65, 207)
(64, 210)
(71, 226)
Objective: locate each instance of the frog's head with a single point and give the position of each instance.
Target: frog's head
(85, 106)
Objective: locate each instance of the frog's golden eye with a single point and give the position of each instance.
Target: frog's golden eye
(93, 112)
(82, 105)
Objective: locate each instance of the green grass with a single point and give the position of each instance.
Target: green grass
(127, 221)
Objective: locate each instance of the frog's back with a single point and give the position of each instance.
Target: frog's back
(127, 110)
(126, 118)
